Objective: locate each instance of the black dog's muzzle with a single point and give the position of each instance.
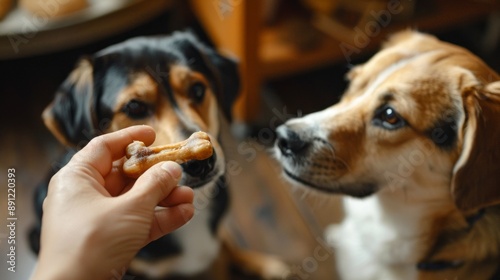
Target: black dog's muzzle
(200, 168)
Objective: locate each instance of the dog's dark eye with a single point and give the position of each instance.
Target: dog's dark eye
(136, 109)
(388, 118)
(197, 92)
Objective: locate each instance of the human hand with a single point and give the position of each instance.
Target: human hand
(95, 219)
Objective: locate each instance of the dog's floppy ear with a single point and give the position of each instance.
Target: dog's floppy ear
(71, 115)
(476, 180)
(222, 70)
(227, 75)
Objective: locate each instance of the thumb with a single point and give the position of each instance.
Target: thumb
(157, 183)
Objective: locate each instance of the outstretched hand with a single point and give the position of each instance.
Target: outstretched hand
(95, 219)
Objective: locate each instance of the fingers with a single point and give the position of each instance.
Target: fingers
(115, 182)
(169, 219)
(179, 195)
(156, 183)
(101, 151)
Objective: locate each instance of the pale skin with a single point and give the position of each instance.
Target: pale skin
(95, 219)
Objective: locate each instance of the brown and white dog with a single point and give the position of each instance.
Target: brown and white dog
(415, 145)
(178, 86)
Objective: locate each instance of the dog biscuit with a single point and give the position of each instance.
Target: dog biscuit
(140, 158)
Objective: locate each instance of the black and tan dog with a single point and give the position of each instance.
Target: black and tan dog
(415, 139)
(177, 86)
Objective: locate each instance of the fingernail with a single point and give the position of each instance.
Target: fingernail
(173, 168)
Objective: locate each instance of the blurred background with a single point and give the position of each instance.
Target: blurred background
(293, 57)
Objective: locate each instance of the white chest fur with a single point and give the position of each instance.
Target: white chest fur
(200, 247)
(378, 239)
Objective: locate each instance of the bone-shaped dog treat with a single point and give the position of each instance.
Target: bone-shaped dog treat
(140, 157)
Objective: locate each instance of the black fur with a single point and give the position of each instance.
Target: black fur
(73, 114)
(220, 204)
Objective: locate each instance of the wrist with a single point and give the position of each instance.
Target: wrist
(64, 267)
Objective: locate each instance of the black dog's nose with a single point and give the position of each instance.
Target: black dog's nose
(200, 168)
(289, 142)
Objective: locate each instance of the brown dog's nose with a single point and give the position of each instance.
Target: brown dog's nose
(289, 142)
